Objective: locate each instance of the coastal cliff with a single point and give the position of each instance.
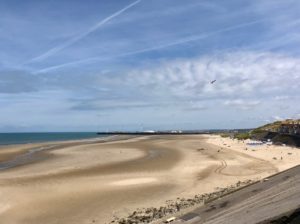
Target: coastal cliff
(280, 132)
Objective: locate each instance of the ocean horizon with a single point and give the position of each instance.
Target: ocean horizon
(38, 137)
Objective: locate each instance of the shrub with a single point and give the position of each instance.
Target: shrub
(225, 135)
(242, 136)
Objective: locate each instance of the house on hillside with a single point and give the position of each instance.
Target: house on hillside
(289, 128)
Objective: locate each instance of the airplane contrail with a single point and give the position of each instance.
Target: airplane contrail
(82, 35)
(174, 43)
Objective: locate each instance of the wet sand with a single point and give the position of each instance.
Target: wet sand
(91, 182)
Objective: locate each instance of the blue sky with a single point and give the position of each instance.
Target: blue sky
(139, 65)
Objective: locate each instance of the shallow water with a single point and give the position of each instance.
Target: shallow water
(23, 138)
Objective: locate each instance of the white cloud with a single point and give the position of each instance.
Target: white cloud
(242, 104)
(252, 75)
(277, 118)
(282, 98)
(244, 80)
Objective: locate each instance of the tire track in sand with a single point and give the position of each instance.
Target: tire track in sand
(220, 168)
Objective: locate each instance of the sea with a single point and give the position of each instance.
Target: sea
(23, 138)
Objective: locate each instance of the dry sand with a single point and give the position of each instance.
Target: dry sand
(282, 157)
(86, 182)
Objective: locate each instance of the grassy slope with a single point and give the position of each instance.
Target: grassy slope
(269, 131)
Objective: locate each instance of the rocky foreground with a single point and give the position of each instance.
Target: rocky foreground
(147, 215)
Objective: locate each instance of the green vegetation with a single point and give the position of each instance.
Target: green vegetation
(270, 127)
(225, 135)
(277, 124)
(242, 136)
(257, 131)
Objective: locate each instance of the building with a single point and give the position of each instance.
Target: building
(291, 127)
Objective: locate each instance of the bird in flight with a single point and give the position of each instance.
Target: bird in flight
(212, 82)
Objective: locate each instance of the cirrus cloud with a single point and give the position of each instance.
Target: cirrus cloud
(238, 74)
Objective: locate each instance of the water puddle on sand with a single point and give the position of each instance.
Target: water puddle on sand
(25, 158)
(134, 181)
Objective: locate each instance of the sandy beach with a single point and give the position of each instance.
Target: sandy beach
(93, 182)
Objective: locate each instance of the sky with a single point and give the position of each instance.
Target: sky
(95, 65)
